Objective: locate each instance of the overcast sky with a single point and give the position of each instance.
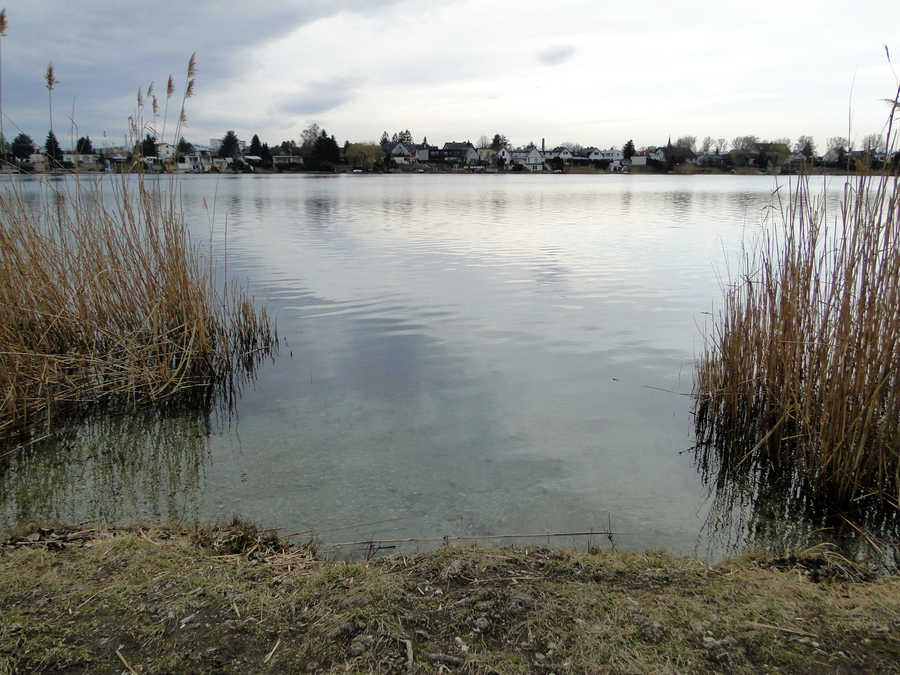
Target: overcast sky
(596, 73)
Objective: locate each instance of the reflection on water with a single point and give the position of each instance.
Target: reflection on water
(465, 355)
(110, 470)
(772, 508)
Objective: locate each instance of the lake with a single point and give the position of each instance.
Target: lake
(463, 355)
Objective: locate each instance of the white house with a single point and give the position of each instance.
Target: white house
(611, 155)
(84, 161)
(560, 152)
(401, 154)
(36, 159)
(195, 162)
(165, 151)
(530, 158)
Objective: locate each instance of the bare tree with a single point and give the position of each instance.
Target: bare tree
(744, 142)
(484, 141)
(707, 144)
(687, 142)
(805, 145)
(872, 143)
(721, 145)
(836, 142)
(784, 140)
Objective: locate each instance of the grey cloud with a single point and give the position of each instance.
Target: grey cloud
(101, 52)
(553, 56)
(319, 97)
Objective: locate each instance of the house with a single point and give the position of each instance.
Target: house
(36, 159)
(285, 161)
(79, 160)
(165, 151)
(421, 151)
(639, 159)
(610, 155)
(529, 158)
(487, 156)
(560, 152)
(196, 162)
(400, 154)
(460, 153)
(503, 158)
(712, 160)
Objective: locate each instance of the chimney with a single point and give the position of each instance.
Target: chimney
(542, 145)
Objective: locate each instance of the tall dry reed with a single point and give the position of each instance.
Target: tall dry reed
(104, 299)
(801, 373)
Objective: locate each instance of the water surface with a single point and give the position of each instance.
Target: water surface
(464, 355)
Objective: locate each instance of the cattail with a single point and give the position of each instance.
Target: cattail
(155, 106)
(140, 99)
(170, 87)
(190, 89)
(3, 23)
(150, 90)
(182, 117)
(192, 65)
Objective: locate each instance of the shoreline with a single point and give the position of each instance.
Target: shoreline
(238, 599)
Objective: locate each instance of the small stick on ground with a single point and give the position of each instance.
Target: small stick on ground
(271, 653)
(127, 665)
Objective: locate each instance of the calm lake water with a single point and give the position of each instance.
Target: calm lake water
(464, 355)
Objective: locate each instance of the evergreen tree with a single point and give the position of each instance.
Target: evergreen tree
(266, 155)
(52, 147)
(255, 146)
(628, 150)
(84, 147)
(148, 146)
(230, 145)
(184, 148)
(22, 146)
(326, 152)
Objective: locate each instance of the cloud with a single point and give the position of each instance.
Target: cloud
(319, 97)
(553, 56)
(105, 53)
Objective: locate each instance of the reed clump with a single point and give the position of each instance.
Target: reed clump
(105, 301)
(800, 377)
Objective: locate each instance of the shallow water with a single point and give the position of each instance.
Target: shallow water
(465, 355)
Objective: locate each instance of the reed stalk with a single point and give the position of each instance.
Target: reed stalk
(800, 376)
(105, 301)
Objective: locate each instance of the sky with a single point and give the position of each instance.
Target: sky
(589, 72)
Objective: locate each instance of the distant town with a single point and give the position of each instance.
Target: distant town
(318, 151)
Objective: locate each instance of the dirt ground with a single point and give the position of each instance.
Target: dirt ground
(234, 599)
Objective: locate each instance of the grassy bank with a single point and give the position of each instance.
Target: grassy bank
(236, 600)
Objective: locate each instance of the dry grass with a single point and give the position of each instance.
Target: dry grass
(235, 599)
(801, 375)
(104, 299)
